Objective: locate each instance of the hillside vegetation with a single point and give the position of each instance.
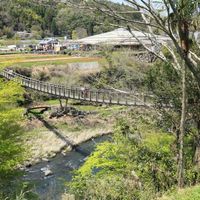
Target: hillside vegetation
(51, 18)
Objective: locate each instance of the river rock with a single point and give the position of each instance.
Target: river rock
(45, 159)
(48, 172)
(69, 148)
(53, 155)
(63, 153)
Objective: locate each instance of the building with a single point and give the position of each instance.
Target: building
(117, 38)
(48, 43)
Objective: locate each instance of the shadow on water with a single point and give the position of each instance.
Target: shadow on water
(53, 186)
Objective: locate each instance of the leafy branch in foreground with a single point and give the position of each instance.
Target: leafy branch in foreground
(12, 150)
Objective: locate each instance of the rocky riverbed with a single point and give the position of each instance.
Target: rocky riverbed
(49, 176)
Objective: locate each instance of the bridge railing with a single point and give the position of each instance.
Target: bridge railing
(99, 96)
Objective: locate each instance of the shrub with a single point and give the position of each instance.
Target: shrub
(127, 166)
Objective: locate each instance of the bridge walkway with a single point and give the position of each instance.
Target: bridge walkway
(63, 92)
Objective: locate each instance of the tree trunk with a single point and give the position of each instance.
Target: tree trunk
(182, 131)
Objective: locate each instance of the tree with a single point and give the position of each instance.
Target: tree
(176, 23)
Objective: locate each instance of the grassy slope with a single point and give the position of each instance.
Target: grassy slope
(190, 193)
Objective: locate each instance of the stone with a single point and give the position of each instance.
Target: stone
(53, 155)
(48, 172)
(63, 153)
(45, 159)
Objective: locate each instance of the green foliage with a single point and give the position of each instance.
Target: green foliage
(139, 157)
(51, 17)
(120, 71)
(164, 81)
(139, 163)
(11, 148)
(10, 93)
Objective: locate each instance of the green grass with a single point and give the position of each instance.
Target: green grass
(190, 193)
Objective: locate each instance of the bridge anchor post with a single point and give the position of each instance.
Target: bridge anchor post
(66, 102)
(61, 106)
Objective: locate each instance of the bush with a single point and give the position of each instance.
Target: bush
(135, 160)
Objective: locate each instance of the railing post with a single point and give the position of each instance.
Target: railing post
(55, 88)
(69, 92)
(79, 94)
(76, 92)
(97, 96)
(90, 95)
(51, 90)
(63, 88)
(59, 91)
(44, 87)
(47, 88)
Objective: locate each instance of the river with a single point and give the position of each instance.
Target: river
(53, 186)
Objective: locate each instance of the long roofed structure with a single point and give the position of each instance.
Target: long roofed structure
(121, 36)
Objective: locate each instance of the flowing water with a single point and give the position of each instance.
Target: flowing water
(53, 186)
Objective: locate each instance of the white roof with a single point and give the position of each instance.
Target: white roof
(120, 36)
(48, 41)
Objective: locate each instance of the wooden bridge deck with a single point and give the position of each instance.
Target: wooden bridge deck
(98, 96)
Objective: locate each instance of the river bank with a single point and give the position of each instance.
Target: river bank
(46, 137)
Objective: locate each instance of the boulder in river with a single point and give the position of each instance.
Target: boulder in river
(48, 172)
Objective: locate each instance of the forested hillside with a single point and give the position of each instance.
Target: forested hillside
(51, 19)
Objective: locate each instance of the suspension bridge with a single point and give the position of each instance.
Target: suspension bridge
(90, 95)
